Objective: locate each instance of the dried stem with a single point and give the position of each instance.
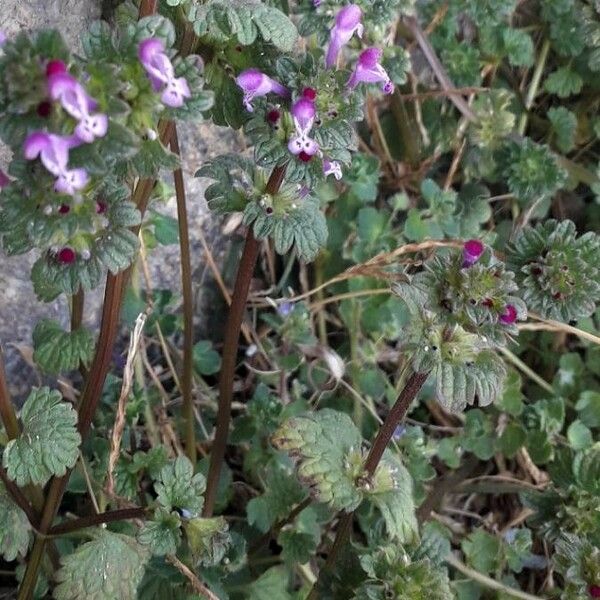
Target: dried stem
(147, 8)
(230, 348)
(384, 435)
(191, 577)
(188, 309)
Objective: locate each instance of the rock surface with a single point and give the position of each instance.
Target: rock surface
(19, 308)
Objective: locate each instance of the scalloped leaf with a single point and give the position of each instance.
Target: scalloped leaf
(327, 448)
(49, 441)
(162, 534)
(178, 488)
(15, 529)
(108, 567)
(208, 539)
(57, 350)
(392, 493)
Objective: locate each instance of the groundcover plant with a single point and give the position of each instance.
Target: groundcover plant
(403, 400)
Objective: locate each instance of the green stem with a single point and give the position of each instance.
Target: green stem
(188, 309)
(413, 384)
(534, 85)
(77, 304)
(230, 348)
(486, 581)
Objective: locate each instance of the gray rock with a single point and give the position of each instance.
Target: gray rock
(19, 308)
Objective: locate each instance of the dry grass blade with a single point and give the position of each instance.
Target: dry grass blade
(128, 374)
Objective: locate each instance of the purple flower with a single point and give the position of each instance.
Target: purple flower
(161, 73)
(472, 251)
(285, 309)
(509, 316)
(399, 432)
(332, 167)
(317, 3)
(74, 99)
(2, 38)
(369, 70)
(303, 113)
(347, 23)
(53, 151)
(254, 83)
(4, 180)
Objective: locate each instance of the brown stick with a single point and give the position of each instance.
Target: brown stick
(230, 348)
(7, 410)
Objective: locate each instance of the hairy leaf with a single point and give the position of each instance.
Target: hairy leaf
(49, 442)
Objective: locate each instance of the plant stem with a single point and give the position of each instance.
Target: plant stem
(110, 516)
(77, 304)
(230, 348)
(384, 435)
(488, 582)
(7, 410)
(534, 85)
(18, 497)
(147, 8)
(188, 309)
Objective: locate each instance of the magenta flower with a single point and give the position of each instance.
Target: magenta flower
(74, 99)
(303, 113)
(369, 70)
(160, 70)
(53, 151)
(472, 251)
(347, 23)
(66, 256)
(254, 83)
(332, 167)
(509, 316)
(4, 180)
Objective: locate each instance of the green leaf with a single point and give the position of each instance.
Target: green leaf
(586, 469)
(178, 488)
(482, 550)
(392, 493)
(588, 408)
(564, 126)
(49, 441)
(15, 529)
(479, 436)
(57, 350)
(270, 585)
(518, 46)
(110, 566)
(282, 492)
(563, 82)
(297, 546)
(275, 27)
(512, 439)
(162, 533)
(327, 449)
(209, 540)
(207, 361)
(579, 435)
(166, 229)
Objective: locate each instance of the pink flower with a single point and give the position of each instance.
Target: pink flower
(472, 250)
(303, 113)
(347, 23)
(369, 70)
(4, 180)
(74, 99)
(159, 68)
(255, 83)
(53, 151)
(332, 167)
(509, 316)
(55, 66)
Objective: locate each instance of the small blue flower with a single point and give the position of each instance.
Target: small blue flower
(285, 309)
